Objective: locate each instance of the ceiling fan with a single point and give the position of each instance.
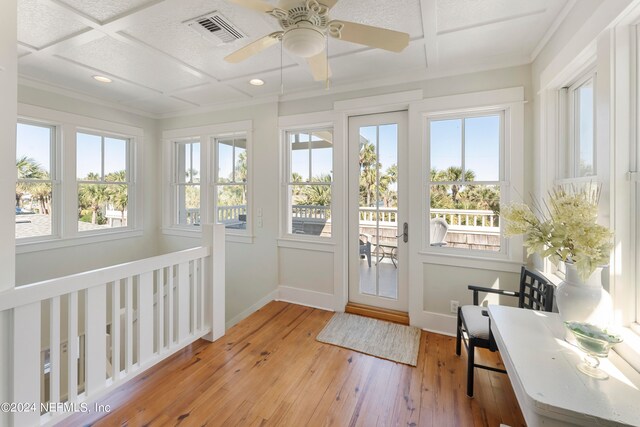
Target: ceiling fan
(305, 27)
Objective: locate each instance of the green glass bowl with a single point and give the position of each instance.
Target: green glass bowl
(593, 339)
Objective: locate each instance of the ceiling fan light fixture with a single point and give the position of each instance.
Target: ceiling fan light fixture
(303, 41)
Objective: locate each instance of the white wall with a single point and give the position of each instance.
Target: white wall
(8, 114)
(41, 265)
(251, 268)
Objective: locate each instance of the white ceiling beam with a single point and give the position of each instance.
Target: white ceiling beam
(492, 21)
(553, 28)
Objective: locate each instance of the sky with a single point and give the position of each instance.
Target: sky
(35, 142)
(482, 145)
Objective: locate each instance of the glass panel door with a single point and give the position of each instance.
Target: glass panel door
(377, 258)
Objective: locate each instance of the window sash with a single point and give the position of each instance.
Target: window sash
(289, 183)
(502, 183)
(572, 125)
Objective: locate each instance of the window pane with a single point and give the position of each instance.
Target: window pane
(115, 159)
(33, 151)
(321, 155)
(225, 160)
(195, 162)
(311, 209)
(102, 206)
(446, 150)
(240, 160)
(300, 160)
(88, 157)
(472, 213)
(584, 139)
(33, 209)
(388, 166)
(482, 148)
(232, 206)
(188, 204)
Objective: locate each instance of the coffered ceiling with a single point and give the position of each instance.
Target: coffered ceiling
(159, 66)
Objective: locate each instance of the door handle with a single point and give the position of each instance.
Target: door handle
(405, 232)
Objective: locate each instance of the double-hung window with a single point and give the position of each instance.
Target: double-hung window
(465, 180)
(104, 178)
(230, 181)
(580, 124)
(36, 189)
(309, 175)
(186, 182)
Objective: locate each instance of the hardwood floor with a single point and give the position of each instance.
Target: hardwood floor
(270, 371)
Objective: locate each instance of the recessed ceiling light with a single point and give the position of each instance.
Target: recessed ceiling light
(103, 79)
(256, 82)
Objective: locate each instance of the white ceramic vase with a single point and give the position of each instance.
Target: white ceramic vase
(584, 300)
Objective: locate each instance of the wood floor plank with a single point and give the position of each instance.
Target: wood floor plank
(270, 371)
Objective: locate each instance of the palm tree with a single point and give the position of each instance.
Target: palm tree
(93, 196)
(27, 168)
(454, 174)
(118, 196)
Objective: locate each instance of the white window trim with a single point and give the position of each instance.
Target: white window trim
(207, 136)
(304, 122)
(67, 125)
(511, 101)
(175, 183)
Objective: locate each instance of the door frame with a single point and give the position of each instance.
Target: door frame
(341, 112)
(401, 117)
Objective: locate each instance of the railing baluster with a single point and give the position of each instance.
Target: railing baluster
(115, 329)
(27, 368)
(202, 293)
(170, 307)
(183, 301)
(95, 338)
(72, 347)
(54, 350)
(145, 317)
(194, 294)
(128, 329)
(160, 308)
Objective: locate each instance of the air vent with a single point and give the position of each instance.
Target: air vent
(215, 27)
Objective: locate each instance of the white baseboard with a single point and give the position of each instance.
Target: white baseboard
(307, 298)
(438, 323)
(255, 307)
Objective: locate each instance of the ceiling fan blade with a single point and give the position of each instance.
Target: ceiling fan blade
(253, 48)
(259, 5)
(381, 38)
(319, 68)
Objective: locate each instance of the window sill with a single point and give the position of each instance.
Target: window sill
(44, 245)
(309, 245)
(494, 262)
(629, 349)
(196, 233)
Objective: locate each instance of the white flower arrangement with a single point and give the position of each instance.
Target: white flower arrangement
(564, 229)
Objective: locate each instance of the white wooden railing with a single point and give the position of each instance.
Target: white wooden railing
(469, 220)
(383, 216)
(316, 213)
(231, 213)
(105, 326)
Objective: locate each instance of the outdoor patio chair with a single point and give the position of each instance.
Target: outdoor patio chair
(438, 228)
(365, 247)
(474, 325)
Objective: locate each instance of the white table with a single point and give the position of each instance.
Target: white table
(549, 388)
